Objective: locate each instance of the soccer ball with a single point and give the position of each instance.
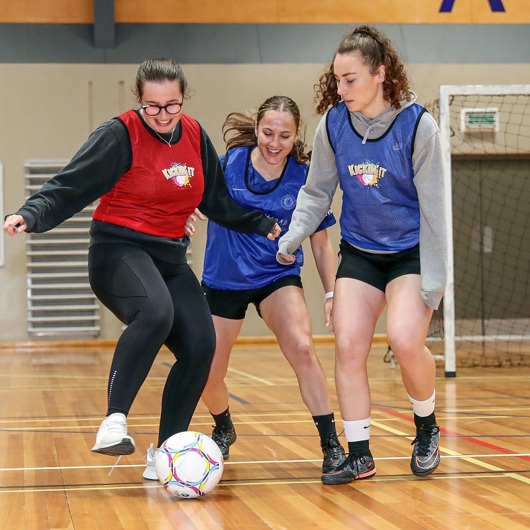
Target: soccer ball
(189, 464)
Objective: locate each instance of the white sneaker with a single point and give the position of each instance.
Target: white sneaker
(150, 464)
(112, 436)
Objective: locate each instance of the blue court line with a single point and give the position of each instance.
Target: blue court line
(239, 400)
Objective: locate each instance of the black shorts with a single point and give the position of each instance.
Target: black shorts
(233, 304)
(377, 270)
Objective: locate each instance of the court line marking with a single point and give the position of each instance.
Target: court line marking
(137, 428)
(256, 482)
(450, 455)
(251, 377)
(136, 420)
(466, 438)
(473, 460)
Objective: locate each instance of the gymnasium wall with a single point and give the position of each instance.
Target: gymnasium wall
(56, 87)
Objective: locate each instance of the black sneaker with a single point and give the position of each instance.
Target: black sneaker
(333, 453)
(224, 437)
(355, 467)
(426, 453)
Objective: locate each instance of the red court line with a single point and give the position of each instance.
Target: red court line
(470, 439)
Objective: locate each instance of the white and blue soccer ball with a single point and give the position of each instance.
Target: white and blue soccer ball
(189, 464)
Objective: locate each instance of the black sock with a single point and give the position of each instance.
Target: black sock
(424, 421)
(326, 426)
(223, 420)
(361, 448)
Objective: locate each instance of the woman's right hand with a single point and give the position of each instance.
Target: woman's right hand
(288, 259)
(283, 256)
(14, 224)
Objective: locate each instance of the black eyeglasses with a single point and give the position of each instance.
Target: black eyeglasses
(154, 110)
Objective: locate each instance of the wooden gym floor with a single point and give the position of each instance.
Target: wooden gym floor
(53, 399)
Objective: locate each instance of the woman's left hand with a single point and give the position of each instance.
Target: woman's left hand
(328, 306)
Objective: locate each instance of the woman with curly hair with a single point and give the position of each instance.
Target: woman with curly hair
(383, 149)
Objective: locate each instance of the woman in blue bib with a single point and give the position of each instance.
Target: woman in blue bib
(384, 152)
(265, 167)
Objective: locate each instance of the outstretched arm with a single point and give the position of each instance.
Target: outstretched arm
(314, 198)
(93, 170)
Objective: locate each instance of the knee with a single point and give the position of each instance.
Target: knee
(157, 317)
(405, 348)
(206, 350)
(351, 352)
(305, 355)
(191, 347)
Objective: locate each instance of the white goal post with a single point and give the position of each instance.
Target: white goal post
(486, 120)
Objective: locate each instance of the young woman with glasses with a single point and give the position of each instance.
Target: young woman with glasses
(150, 169)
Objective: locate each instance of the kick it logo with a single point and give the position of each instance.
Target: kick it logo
(368, 174)
(495, 5)
(179, 174)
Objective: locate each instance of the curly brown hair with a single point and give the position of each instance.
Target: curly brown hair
(376, 50)
(243, 126)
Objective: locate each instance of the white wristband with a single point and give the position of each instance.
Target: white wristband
(328, 295)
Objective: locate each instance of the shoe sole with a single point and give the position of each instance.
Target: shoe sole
(330, 480)
(147, 476)
(125, 447)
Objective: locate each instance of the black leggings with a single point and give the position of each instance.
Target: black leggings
(161, 303)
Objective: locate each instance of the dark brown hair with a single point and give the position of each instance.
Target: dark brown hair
(376, 50)
(242, 126)
(157, 71)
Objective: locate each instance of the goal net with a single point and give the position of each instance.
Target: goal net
(485, 315)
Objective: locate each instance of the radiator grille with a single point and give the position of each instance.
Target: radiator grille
(60, 301)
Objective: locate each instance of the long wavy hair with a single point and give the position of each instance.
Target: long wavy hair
(376, 50)
(239, 130)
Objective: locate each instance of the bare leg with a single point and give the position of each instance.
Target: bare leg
(292, 328)
(356, 308)
(215, 393)
(407, 324)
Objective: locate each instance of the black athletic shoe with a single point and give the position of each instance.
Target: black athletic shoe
(426, 453)
(355, 467)
(224, 438)
(333, 452)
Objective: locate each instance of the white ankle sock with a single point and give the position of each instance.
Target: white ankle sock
(357, 430)
(423, 408)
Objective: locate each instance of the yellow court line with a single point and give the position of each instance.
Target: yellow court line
(249, 376)
(135, 424)
(450, 452)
